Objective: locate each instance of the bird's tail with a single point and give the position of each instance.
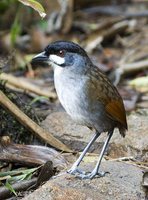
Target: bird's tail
(122, 131)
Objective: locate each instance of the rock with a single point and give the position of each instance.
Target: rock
(123, 182)
(63, 127)
(136, 141)
(134, 144)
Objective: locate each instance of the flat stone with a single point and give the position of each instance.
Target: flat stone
(76, 136)
(66, 130)
(122, 183)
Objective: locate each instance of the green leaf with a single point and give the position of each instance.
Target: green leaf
(17, 172)
(15, 179)
(15, 29)
(9, 187)
(38, 98)
(35, 5)
(18, 175)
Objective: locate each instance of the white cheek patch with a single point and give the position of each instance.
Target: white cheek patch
(57, 59)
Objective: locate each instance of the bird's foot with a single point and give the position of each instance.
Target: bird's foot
(83, 175)
(75, 171)
(92, 174)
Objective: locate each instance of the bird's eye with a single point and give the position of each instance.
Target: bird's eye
(61, 53)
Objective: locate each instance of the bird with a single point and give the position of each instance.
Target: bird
(87, 95)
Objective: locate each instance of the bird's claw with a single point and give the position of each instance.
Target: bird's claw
(75, 171)
(83, 175)
(91, 175)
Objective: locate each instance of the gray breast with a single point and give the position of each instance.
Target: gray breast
(74, 97)
(71, 93)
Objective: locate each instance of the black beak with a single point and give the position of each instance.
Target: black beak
(40, 58)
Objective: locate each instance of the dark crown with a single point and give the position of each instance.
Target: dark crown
(64, 45)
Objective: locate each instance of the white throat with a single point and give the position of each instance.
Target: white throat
(57, 71)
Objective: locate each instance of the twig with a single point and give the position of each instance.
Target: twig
(29, 155)
(28, 86)
(20, 186)
(99, 36)
(128, 68)
(116, 11)
(130, 160)
(121, 158)
(133, 67)
(30, 124)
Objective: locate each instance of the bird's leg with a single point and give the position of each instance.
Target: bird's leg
(96, 169)
(74, 169)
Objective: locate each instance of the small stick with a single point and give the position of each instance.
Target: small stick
(31, 125)
(20, 186)
(133, 67)
(99, 36)
(24, 84)
(29, 155)
(128, 68)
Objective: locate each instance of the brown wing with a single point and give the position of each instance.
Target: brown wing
(109, 96)
(116, 110)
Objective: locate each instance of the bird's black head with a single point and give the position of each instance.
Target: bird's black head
(62, 53)
(65, 46)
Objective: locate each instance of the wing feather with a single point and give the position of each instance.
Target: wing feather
(116, 110)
